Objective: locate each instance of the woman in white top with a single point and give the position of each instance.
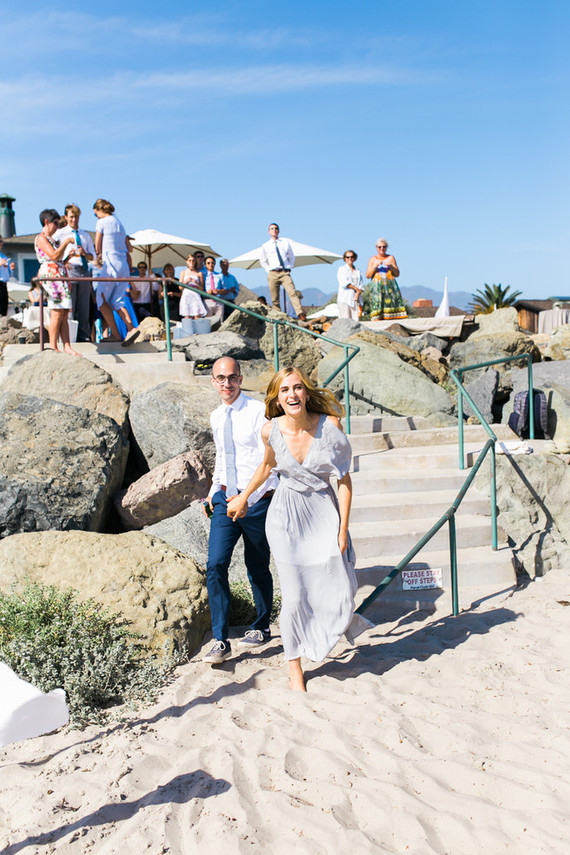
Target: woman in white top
(191, 305)
(350, 286)
(113, 249)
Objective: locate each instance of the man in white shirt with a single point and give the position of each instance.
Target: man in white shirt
(278, 259)
(236, 425)
(79, 253)
(145, 291)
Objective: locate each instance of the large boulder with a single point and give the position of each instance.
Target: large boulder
(77, 382)
(164, 491)
(170, 419)
(59, 465)
(208, 348)
(426, 340)
(159, 591)
(296, 347)
(499, 321)
(189, 531)
(380, 382)
(240, 323)
(341, 329)
(433, 369)
(558, 346)
(532, 497)
(482, 391)
(484, 348)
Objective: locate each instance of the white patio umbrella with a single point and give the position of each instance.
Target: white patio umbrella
(443, 309)
(159, 248)
(304, 255)
(330, 311)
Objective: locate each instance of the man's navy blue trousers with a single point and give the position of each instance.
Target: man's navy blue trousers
(224, 534)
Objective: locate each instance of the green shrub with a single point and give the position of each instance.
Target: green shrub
(242, 606)
(52, 639)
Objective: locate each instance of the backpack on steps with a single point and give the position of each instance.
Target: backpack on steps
(518, 420)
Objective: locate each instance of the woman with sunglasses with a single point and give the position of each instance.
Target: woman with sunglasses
(350, 287)
(386, 303)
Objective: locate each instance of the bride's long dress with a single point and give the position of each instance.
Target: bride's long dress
(318, 582)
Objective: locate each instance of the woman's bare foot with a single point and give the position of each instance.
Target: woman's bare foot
(296, 676)
(70, 351)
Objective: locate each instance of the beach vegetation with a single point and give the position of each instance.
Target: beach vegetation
(491, 297)
(52, 639)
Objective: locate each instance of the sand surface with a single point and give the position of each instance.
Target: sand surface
(437, 735)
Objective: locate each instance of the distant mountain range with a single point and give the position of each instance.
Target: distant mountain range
(316, 297)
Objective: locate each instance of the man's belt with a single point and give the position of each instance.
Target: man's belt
(280, 270)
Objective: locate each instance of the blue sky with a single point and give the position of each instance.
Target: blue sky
(442, 126)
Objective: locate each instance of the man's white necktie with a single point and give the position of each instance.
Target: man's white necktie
(229, 454)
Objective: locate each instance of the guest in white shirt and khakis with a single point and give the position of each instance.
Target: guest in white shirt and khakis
(236, 425)
(278, 259)
(76, 259)
(350, 287)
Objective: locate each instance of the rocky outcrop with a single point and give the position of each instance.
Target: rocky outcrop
(483, 348)
(295, 346)
(189, 531)
(499, 321)
(558, 346)
(170, 419)
(341, 329)
(164, 491)
(436, 371)
(243, 324)
(59, 465)
(426, 340)
(380, 382)
(208, 348)
(77, 382)
(159, 591)
(532, 497)
(482, 391)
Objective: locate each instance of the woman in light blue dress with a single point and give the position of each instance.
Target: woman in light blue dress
(307, 525)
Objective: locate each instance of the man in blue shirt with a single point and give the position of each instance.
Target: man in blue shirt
(227, 287)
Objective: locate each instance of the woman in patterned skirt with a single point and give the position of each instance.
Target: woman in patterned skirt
(386, 303)
(49, 253)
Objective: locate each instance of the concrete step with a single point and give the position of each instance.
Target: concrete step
(377, 441)
(479, 569)
(375, 483)
(406, 506)
(383, 424)
(397, 537)
(419, 458)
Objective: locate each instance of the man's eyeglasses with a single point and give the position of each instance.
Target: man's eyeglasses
(350, 256)
(232, 379)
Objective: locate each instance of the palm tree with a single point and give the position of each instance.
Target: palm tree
(492, 297)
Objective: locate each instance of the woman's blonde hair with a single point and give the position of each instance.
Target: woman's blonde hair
(103, 205)
(318, 400)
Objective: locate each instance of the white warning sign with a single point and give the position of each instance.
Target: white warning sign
(428, 577)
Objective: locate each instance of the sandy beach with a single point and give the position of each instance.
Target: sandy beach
(436, 735)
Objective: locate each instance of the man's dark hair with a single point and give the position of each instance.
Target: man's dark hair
(273, 224)
(49, 215)
(208, 257)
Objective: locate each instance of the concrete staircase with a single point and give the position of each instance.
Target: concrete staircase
(405, 476)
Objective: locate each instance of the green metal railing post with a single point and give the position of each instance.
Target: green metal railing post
(460, 420)
(346, 391)
(453, 566)
(276, 345)
(494, 538)
(167, 321)
(530, 400)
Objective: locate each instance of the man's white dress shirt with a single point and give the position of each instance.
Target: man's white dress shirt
(86, 242)
(269, 259)
(248, 417)
(345, 277)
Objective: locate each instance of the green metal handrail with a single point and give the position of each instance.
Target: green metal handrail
(277, 322)
(457, 375)
(449, 515)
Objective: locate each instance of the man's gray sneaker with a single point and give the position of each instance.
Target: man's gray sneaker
(254, 638)
(218, 652)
